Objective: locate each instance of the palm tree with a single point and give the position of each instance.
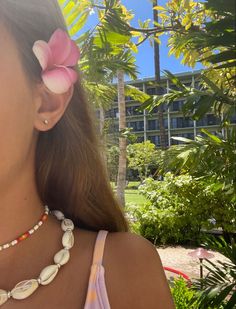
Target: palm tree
(102, 60)
(121, 180)
(157, 81)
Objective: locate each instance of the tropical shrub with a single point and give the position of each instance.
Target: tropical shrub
(142, 157)
(219, 286)
(178, 208)
(182, 295)
(112, 162)
(209, 156)
(187, 298)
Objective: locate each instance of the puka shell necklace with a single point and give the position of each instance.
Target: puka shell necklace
(27, 287)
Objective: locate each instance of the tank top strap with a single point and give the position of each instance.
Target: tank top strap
(99, 247)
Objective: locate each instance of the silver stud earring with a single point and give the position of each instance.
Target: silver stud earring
(46, 121)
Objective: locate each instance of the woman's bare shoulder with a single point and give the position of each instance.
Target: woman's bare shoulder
(134, 273)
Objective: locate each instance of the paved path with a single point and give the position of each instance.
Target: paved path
(178, 258)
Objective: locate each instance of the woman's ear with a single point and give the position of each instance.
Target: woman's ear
(50, 107)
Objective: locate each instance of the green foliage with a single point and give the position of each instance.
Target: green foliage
(187, 298)
(199, 31)
(202, 32)
(142, 157)
(103, 52)
(178, 208)
(211, 157)
(183, 295)
(218, 290)
(220, 283)
(210, 97)
(112, 162)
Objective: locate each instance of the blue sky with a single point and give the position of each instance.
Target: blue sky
(145, 57)
(142, 10)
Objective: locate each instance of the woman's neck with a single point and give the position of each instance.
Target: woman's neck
(20, 209)
(20, 206)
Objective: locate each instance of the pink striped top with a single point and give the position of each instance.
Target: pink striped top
(97, 294)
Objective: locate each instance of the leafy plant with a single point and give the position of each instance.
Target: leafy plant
(210, 157)
(179, 207)
(186, 297)
(182, 295)
(142, 157)
(201, 32)
(112, 162)
(219, 286)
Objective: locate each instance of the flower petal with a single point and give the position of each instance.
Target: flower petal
(60, 46)
(60, 79)
(73, 56)
(43, 53)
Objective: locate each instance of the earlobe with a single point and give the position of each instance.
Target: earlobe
(50, 107)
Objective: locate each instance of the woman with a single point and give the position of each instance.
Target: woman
(50, 156)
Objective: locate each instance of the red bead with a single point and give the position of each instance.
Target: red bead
(23, 236)
(44, 217)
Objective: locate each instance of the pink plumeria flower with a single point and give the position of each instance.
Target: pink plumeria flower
(57, 57)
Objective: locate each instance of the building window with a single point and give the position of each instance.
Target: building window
(155, 139)
(111, 113)
(233, 119)
(136, 125)
(133, 110)
(182, 122)
(139, 126)
(173, 123)
(212, 120)
(208, 120)
(174, 87)
(128, 98)
(151, 91)
(189, 84)
(153, 124)
(202, 122)
(164, 108)
(197, 85)
(140, 139)
(189, 135)
(166, 123)
(176, 106)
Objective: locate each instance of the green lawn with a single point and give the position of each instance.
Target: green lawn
(132, 196)
(131, 193)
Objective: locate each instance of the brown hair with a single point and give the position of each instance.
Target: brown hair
(70, 172)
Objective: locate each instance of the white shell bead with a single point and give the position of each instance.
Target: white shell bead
(59, 215)
(62, 257)
(67, 224)
(3, 297)
(24, 289)
(48, 274)
(68, 240)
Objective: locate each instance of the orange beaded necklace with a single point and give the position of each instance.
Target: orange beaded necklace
(28, 233)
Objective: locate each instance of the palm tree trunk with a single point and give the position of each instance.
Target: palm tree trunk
(102, 120)
(158, 80)
(102, 133)
(121, 179)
